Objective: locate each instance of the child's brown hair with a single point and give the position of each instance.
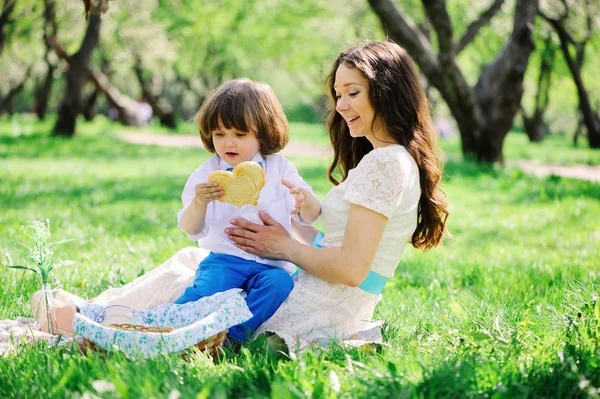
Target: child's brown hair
(243, 104)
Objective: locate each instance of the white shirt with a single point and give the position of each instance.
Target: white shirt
(275, 199)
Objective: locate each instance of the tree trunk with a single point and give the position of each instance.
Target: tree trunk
(186, 87)
(160, 108)
(441, 71)
(127, 109)
(500, 86)
(590, 119)
(90, 109)
(43, 91)
(77, 75)
(7, 9)
(594, 135)
(534, 125)
(484, 19)
(484, 114)
(6, 102)
(578, 130)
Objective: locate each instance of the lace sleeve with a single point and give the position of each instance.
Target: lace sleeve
(377, 183)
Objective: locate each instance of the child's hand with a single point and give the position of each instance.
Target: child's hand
(298, 196)
(208, 192)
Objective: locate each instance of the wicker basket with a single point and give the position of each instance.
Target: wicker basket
(210, 345)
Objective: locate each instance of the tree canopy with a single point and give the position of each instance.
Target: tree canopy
(176, 52)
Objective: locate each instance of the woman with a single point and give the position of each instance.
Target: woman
(387, 194)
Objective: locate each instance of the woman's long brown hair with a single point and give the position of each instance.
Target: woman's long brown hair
(400, 104)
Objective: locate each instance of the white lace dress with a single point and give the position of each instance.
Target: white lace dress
(387, 182)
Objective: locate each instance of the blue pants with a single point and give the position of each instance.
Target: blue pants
(267, 287)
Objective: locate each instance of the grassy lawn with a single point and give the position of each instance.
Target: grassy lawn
(506, 308)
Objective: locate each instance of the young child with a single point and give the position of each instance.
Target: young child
(242, 120)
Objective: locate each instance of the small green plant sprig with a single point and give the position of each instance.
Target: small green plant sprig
(41, 253)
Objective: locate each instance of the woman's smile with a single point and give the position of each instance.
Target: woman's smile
(352, 121)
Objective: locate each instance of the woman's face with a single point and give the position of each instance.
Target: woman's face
(354, 105)
(352, 100)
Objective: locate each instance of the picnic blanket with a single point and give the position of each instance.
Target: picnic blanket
(192, 323)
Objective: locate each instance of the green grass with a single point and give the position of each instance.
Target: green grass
(506, 308)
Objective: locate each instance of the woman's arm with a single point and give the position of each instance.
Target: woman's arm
(348, 264)
(304, 233)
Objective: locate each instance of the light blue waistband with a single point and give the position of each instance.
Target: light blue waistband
(374, 283)
(317, 240)
(317, 244)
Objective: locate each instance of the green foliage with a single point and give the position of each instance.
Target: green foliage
(41, 252)
(189, 47)
(25, 47)
(508, 307)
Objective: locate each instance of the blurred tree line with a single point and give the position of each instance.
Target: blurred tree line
(486, 66)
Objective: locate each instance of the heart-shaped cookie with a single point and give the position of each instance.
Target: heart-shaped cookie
(241, 186)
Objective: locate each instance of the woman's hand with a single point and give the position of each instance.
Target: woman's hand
(269, 241)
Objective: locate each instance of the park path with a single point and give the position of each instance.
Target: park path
(181, 140)
(582, 172)
(577, 171)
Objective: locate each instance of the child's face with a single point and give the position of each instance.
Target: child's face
(235, 146)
